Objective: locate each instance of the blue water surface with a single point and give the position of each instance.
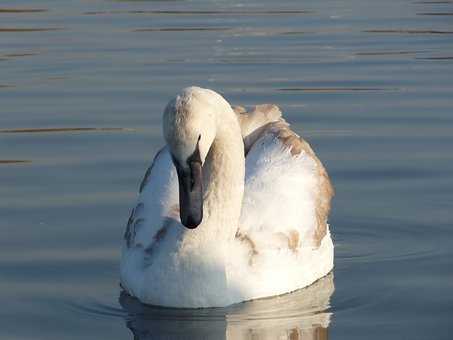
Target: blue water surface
(82, 86)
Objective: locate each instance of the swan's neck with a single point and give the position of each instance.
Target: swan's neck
(223, 171)
(203, 254)
(225, 181)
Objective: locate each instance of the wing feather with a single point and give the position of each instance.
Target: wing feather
(287, 189)
(157, 202)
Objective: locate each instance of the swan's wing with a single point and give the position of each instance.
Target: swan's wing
(287, 191)
(157, 204)
(254, 121)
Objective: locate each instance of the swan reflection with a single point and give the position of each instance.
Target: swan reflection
(300, 315)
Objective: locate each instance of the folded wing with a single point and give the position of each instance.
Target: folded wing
(157, 204)
(287, 190)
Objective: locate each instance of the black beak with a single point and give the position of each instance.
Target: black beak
(190, 195)
(191, 191)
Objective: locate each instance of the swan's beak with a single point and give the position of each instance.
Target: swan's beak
(190, 194)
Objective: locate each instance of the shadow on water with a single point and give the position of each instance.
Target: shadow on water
(303, 314)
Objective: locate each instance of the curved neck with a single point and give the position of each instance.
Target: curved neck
(203, 252)
(223, 172)
(225, 165)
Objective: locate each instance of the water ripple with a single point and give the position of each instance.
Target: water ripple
(308, 301)
(407, 31)
(435, 2)
(14, 161)
(69, 129)
(96, 308)
(182, 29)
(436, 13)
(383, 53)
(338, 89)
(25, 30)
(202, 12)
(18, 55)
(22, 10)
(435, 58)
(370, 244)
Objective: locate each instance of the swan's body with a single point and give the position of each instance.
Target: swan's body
(262, 219)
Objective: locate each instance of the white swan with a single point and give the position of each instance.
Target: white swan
(255, 226)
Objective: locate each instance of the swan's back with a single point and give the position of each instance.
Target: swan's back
(283, 232)
(287, 187)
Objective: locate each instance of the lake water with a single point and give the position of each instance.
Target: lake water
(82, 87)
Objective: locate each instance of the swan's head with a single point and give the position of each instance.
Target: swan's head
(189, 125)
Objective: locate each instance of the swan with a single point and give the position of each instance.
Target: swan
(233, 208)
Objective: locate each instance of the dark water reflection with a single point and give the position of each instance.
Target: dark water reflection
(82, 88)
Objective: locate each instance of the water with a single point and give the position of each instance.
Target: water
(82, 87)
